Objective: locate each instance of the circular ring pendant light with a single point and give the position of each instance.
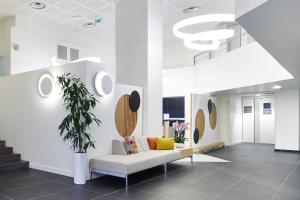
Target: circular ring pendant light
(202, 47)
(212, 36)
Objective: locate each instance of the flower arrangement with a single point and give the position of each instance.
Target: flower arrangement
(179, 129)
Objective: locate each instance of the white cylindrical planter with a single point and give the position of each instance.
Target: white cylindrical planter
(80, 168)
(179, 145)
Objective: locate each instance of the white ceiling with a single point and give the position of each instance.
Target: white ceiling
(59, 13)
(262, 88)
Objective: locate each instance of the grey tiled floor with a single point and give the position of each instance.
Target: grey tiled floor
(256, 172)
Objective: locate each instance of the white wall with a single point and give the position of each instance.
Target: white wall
(210, 135)
(287, 120)
(38, 45)
(177, 55)
(246, 66)
(29, 122)
(139, 55)
(175, 83)
(236, 119)
(224, 120)
(36, 51)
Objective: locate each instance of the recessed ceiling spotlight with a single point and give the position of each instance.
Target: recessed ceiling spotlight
(38, 5)
(89, 25)
(277, 87)
(258, 95)
(76, 16)
(191, 9)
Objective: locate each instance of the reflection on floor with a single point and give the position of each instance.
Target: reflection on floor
(256, 172)
(199, 157)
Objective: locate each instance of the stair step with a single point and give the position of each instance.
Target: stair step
(7, 158)
(6, 150)
(14, 165)
(2, 143)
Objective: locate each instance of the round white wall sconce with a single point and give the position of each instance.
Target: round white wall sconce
(45, 85)
(103, 83)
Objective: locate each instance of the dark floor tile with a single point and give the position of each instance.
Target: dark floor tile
(3, 198)
(104, 185)
(24, 193)
(286, 196)
(131, 194)
(8, 185)
(242, 195)
(190, 194)
(30, 180)
(30, 192)
(49, 197)
(46, 175)
(77, 194)
(256, 172)
(163, 198)
(290, 190)
(159, 185)
(105, 198)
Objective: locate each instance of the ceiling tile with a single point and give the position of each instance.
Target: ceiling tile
(9, 5)
(25, 11)
(96, 4)
(41, 17)
(24, 2)
(52, 11)
(66, 5)
(52, 2)
(81, 11)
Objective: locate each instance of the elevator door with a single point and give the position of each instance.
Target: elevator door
(259, 120)
(264, 120)
(248, 120)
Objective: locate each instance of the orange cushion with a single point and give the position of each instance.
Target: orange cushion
(152, 143)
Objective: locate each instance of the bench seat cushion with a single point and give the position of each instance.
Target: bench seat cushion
(128, 164)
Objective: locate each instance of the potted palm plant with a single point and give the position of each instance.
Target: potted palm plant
(75, 127)
(179, 129)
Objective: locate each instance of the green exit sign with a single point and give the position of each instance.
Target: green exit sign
(98, 20)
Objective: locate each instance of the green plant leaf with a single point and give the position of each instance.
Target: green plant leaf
(79, 103)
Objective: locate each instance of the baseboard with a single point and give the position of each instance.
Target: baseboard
(284, 150)
(232, 144)
(51, 169)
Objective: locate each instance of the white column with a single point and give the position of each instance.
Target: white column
(139, 55)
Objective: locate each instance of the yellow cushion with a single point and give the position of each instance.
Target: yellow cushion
(164, 143)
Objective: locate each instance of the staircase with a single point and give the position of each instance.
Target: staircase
(10, 160)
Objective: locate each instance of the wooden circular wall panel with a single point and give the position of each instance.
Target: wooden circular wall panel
(213, 116)
(200, 123)
(125, 118)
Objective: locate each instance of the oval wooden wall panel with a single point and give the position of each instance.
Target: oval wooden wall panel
(200, 123)
(125, 118)
(213, 116)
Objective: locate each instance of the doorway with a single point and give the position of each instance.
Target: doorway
(259, 120)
